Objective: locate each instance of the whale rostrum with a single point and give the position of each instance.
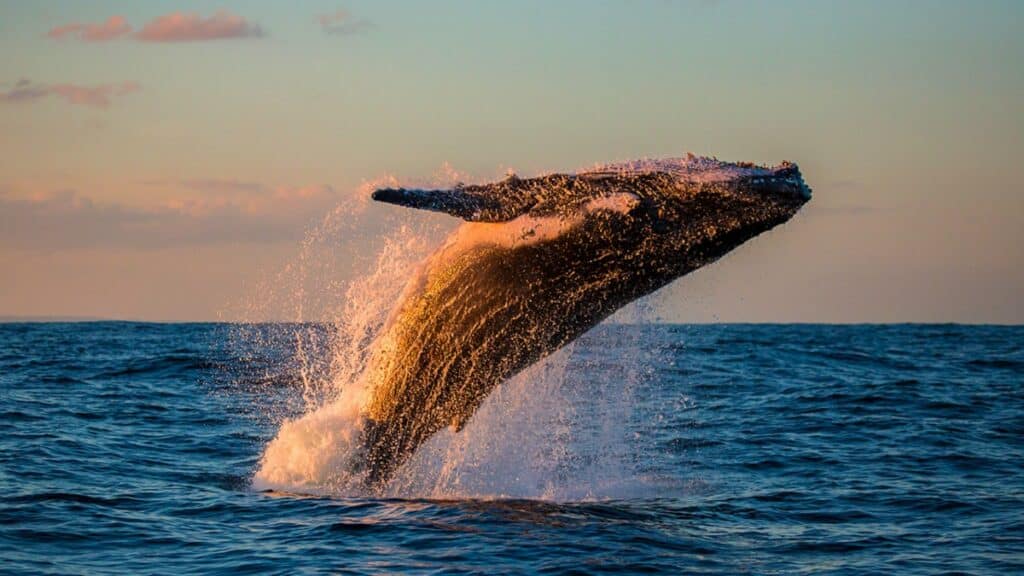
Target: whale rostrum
(538, 262)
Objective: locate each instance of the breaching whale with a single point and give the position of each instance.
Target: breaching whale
(538, 262)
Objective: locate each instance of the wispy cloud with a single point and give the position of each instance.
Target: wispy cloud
(191, 27)
(95, 96)
(65, 220)
(114, 27)
(24, 91)
(341, 23)
(219, 186)
(173, 27)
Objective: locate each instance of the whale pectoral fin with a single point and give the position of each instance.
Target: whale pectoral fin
(455, 202)
(498, 202)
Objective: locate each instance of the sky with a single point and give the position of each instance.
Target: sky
(159, 160)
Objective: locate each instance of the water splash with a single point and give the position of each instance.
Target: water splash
(542, 434)
(311, 453)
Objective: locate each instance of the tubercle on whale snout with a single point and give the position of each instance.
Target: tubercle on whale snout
(782, 184)
(786, 179)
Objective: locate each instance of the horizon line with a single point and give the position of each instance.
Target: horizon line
(38, 319)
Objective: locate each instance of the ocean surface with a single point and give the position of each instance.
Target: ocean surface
(697, 449)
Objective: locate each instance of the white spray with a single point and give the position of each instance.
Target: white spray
(536, 436)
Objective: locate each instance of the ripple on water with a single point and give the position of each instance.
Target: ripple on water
(740, 449)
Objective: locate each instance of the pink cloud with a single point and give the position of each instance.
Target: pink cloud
(66, 220)
(190, 27)
(95, 96)
(98, 96)
(264, 200)
(222, 186)
(114, 27)
(302, 192)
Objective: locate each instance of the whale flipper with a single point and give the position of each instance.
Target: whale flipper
(497, 202)
(470, 207)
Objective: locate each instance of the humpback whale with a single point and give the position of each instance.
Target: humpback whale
(538, 262)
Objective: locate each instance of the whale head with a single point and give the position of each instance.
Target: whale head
(701, 207)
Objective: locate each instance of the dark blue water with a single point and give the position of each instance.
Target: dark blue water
(780, 450)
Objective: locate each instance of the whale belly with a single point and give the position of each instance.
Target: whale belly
(477, 316)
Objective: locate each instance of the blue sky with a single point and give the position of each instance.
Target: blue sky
(135, 162)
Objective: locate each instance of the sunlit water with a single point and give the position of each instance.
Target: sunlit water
(679, 449)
